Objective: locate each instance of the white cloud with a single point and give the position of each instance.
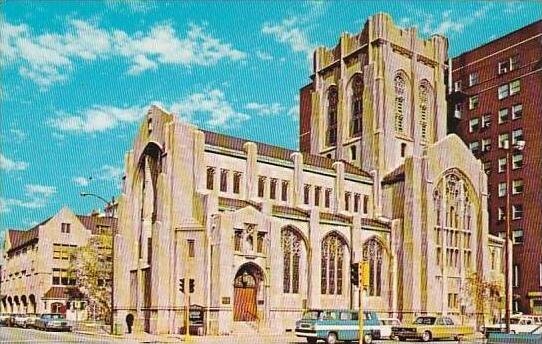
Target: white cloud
(265, 109)
(49, 58)
(17, 134)
(81, 181)
(209, 108)
(290, 32)
(293, 111)
(10, 165)
(108, 172)
(262, 55)
(36, 196)
(96, 119)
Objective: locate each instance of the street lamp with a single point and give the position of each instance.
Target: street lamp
(108, 205)
(517, 146)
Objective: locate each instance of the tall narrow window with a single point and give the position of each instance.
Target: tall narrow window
(317, 191)
(357, 106)
(333, 250)
(261, 186)
(306, 194)
(332, 99)
(210, 178)
(292, 249)
(223, 180)
(273, 189)
(327, 197)
(347, 196)
(425, 95)
(365, 204)
(236, 182)
(372, 253)
(356, 202)
(191, 248)
(237, 238)
(400, 103)
(284, 191)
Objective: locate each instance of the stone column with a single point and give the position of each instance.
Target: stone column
(313, 300)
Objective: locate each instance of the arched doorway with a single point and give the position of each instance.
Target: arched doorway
(32, 300)
(247, 287)
(58, 307)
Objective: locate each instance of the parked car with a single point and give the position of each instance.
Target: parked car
(518, 324)
(385, 327)
(428, 328)
(333, 325)
(31, 320)
(20, 320)
(532, 337)
(52, 321)
(4, 318)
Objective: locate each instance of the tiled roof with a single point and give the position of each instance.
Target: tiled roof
(397, 175)
(92, 222)
(235, 143)
(63, 293)
(20, 238)
(237, 203)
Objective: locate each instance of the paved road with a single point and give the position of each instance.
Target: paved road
(18, 335)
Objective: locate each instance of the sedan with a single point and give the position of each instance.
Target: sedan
(52, 321)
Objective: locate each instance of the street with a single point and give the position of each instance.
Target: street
(18, 335)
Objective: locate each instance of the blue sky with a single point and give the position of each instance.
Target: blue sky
(77, 77)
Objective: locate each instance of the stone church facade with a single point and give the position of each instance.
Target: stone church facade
(266, 232)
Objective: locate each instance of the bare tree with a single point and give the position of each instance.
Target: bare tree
(91, 266)
(484, 293)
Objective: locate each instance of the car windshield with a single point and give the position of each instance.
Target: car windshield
(311, 315)
(425, 320)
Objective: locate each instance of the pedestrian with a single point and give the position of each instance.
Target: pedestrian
(129, 322)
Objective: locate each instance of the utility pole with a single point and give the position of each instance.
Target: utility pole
(363, 282)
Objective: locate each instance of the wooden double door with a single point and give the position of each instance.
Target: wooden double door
(245, 293)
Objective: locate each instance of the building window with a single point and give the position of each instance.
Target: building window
(191, 249)
(210, 178)
(503, 115)
(501, 215)
(486, 145)
(332, 98)
(365, 204)
(306, 194)
(261, 186)
(65, 228)
(237, 238)
(401, 107)
(473, 102)
(486, 121)
(292, 249)
(317, 190)
(273, 188)
(517, 186)
(517, 236)
(260, 242)
(347, 196)
(403, 150)
(517, 111)
(503, 91)
(57, 251)
(502, 189)
(332, 265)
(516, 276)
(327, 197)
(458, 109)
(353, 153)
(515, 87)
(503, 67)
(514, 62)
(517, 161)
(474, 147)
(474, 124)
(284, 191)
(486, 165)
(517, 211)
(425, 100)
(357, 105)
(356, 202)
(517, 135)
(223, 180)
(372, 253)
(457, 85)
(236, 182)
(473, 79)
(502, 165)
(503, 140)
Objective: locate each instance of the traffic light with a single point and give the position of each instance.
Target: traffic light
(191, 283)
(181, 285)
(354, 274)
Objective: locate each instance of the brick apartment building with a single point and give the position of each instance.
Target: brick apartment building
(34, 276)
(495, 96)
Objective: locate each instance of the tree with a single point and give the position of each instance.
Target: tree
(91, 265)
(484, 293)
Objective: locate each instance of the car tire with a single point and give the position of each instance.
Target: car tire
(331, 338)
(312, 340)
(367, 339)
(401, 339)
(426, 336)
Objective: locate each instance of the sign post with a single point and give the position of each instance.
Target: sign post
(363, 270)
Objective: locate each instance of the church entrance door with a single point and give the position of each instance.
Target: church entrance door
(247, 281)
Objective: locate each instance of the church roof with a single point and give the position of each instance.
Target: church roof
(281, 153)
(227, 202)
(397, 175)
(63, 293)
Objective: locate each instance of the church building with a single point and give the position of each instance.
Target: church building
(266, 232)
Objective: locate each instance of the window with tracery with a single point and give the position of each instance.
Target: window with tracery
(249, 240)
(332, 100)
(400, 103)
(454, 222)
(357, 105)
(333, 247)
(372, 253)
(292, 249)
(425, 99)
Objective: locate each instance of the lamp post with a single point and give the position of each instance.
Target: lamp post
(517, 146)
(113, 233)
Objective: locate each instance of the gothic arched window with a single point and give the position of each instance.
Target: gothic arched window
(401, 103)
(357, 105)
(425, 101)
(332, 264)
(372, 253)
(292, 249)
(331, 132)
